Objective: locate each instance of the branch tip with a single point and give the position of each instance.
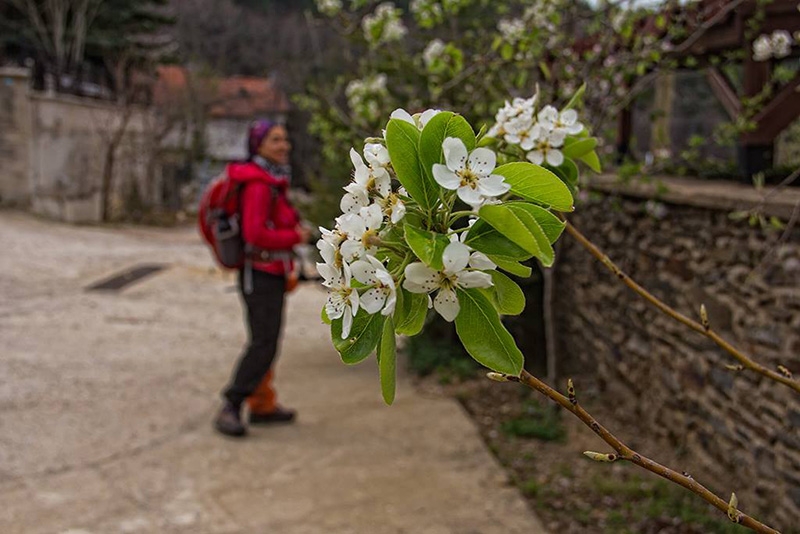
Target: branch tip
(497, 377)
(601, 457)
(734, 514)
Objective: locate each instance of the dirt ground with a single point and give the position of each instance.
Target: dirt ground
(541, 447)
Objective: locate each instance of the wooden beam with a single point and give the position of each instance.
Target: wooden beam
(777, 115)
(724, 91)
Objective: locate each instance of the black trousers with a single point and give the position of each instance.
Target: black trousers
(263, 314)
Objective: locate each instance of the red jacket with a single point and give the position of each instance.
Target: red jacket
(266, 223)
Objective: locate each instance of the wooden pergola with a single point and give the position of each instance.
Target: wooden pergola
(722, 26)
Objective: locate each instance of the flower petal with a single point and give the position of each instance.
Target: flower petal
(347, 324)
(446, 303)
(352, 250)
(474, 279)
(471, 196)
(391, 302)
(373, 300)
(482, 161)
(493, 186)
(383, 183)
(352, 225)
(569, 117)
(352, 202)
(555, 157)
(535, 156)
(445, 177)
(479, 260)
(372, 215)
(455, 153)
(364, 272)
(403, 115)
(398, 211)
(327, 251)
(423, 276)
(455, 257)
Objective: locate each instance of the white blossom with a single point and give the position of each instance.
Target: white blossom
(393, 207)
(546, 148)
(342, 299)
(433, 52)
(422, 279)
(381, 293)
(781, 43)
(470, 175)
(329, 8)
(372, 179)
(512, 31)
(418, 119)
(384, 25)
(360, 228)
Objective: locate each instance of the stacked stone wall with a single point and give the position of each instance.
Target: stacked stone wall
(736, 430)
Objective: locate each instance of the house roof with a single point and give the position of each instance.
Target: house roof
(235, 97)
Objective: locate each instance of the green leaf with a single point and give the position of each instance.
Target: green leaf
(441, 126)
(576, 97)
(510, 298)
(550, 224)
(402, 140)
(511, 266)
(533, 182)
(571, 173)
(324, 316)
(546, 253)
(592, 161)
(484, 238)
(508, 222)
(364, 335)
(428, 246)
(579, 148)
(410, 312)
(387, 362)
(516, 223)
(484, 336)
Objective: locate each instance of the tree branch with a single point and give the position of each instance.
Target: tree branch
(705, 329)
(623, 452)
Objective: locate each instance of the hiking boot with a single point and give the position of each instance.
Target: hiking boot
(229, 422)
(278, 415)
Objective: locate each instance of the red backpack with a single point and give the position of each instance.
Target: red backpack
(219, 218)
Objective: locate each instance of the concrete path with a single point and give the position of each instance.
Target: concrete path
(106, 401)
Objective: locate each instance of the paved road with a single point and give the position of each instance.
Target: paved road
(106, 401)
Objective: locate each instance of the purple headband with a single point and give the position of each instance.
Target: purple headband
(255, 136)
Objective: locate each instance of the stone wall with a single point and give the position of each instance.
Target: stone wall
(70, 140)
(53, 149)
(15, 135)
(739, 432)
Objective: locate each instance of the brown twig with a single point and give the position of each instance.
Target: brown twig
(707, 25)
(623, 452)
(706, 330)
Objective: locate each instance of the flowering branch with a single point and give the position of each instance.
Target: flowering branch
(704, 328)
(623, 452)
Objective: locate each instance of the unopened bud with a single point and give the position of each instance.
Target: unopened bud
(734, 367)
(734, 514)
(600, 457)
(497, 377)
(704, 316)
(784, 371)
(571, 392)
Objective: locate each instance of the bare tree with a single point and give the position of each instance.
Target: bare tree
(60, 29)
